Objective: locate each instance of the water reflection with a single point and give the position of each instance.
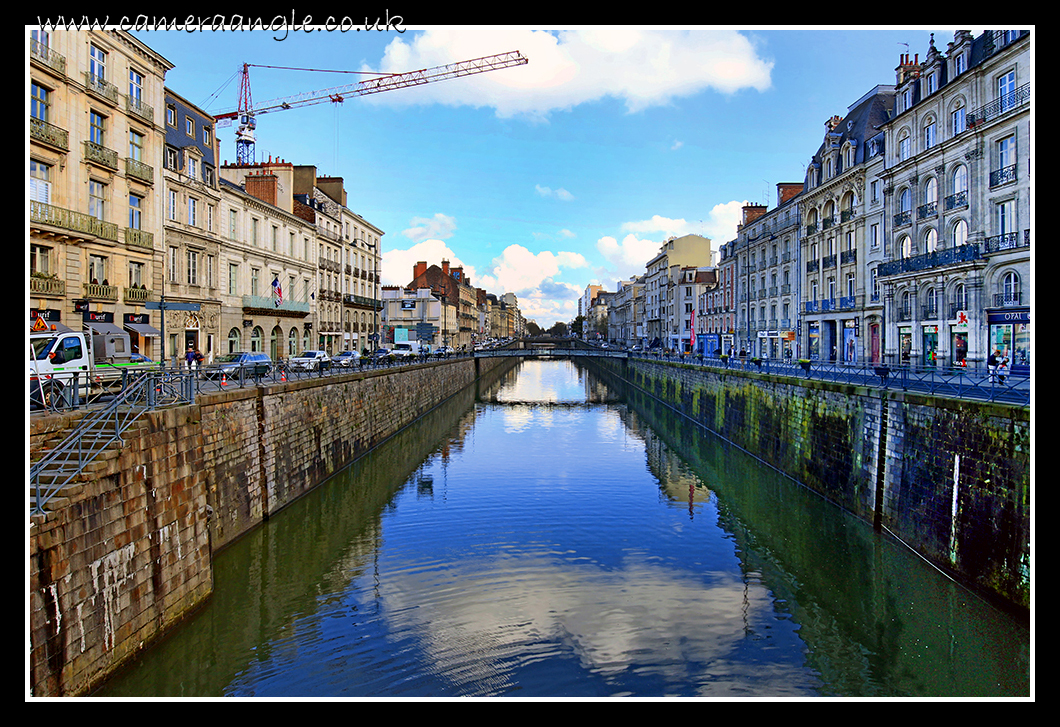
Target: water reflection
(528, 539)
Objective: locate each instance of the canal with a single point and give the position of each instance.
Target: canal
(550, 535)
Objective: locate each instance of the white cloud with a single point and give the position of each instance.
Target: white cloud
(520, 271)
(397, 265)
(665, 225)
(677, 145)
(439, 227)
(557, 193)
(642, 67)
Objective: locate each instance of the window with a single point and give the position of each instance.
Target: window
(40, 188)
(40, 259)
(932, 83)
(960, 179)
(171, 115)
(958, 122)
(189, 126)
(874, 190)
(136, 146)
(207, 136)
(96, 198)
(232, 223)
(960, 297)
(38, 102)
(193, 211)
(97, 269)
(1006, 85)
(193, 168)
(929, 135)
(1010, 289)
(209, 270)
(959, 64)
(171, 158)
(905, 246)
(233, 278)
(136, 87)
(97, 63)
(172, 264)
(192, 267)
(96, 127)
(1006, 153)
(903, 148)
(136, 211)
(136, 274)
(931, 240)
(254, 274)
(874, 236)
(1005, 217)
(960, 233)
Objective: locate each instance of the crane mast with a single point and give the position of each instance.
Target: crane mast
(245, 116)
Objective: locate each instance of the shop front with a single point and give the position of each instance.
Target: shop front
(1010, 333)
(930, 344)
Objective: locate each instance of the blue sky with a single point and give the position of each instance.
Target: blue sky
(568, 171)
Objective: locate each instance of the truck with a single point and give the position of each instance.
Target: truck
(95, 360)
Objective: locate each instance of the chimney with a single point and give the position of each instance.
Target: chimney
(787, 191)
(907, 70)
(752, 212)
(445, 267)
(419, 269)
(262, 186)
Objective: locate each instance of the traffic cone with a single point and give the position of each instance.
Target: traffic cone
(283, 375)
(224, 378)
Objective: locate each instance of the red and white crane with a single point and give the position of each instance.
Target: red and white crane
(245, 116)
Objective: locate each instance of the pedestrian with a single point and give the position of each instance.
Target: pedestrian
(991, 364)
(1002, 370)
(189, 357)
(198, 358)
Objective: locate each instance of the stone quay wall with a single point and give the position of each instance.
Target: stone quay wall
(126, 555)
(950, 478)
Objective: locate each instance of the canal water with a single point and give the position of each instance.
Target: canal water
(550, 535)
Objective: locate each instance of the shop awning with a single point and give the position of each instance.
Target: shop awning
(143, 329)
(104, 328)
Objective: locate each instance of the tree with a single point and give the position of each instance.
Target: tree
(533, 329)
(577, 325)
(558, 329)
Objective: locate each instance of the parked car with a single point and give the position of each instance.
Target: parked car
(233, 365)
(345, 359)
(310, 361)
(404, 350)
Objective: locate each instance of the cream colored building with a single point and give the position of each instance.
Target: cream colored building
(96, 190)
(662, 274)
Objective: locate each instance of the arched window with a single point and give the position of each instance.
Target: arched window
(931, 191)
(292, 342)
(257, 340)
(931, 240)
(1010, 289)
(959, 233)
(234, 337)
(960, 297)
(905, 246)
(959, 179)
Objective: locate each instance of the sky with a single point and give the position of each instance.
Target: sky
(571, 170)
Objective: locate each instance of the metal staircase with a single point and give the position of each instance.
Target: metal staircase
(98, 437)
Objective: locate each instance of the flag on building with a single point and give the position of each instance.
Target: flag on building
(277, 292)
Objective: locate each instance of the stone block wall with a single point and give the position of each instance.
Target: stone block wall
(127, 554)
(949, 477)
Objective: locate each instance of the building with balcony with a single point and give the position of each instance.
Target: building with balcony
(758, 280)
(349, 252)
(956, 269)
(191, 248)
(269, 263)
(841, 208)
(96, 137)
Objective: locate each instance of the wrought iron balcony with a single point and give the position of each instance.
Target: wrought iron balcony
(101, 88)
(902, 218)
(73, 221)
(1003, 176)
(931, 209)
(848, 256)
(139, 170)
(1008, 300)
(953, 201)
(1009, 102)
(1007, 241)
(928, 261)
(138, 108)
(828, 262)
(101, 155)
(49, 134)
(43, 54)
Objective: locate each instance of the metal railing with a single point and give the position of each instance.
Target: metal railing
(141, 392)
(956, 382)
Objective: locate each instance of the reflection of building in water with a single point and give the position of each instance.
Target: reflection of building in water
(676, 479)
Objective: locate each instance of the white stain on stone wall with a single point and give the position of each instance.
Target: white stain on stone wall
(109, 574)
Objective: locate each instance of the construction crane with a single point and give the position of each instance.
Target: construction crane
(245, 116)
